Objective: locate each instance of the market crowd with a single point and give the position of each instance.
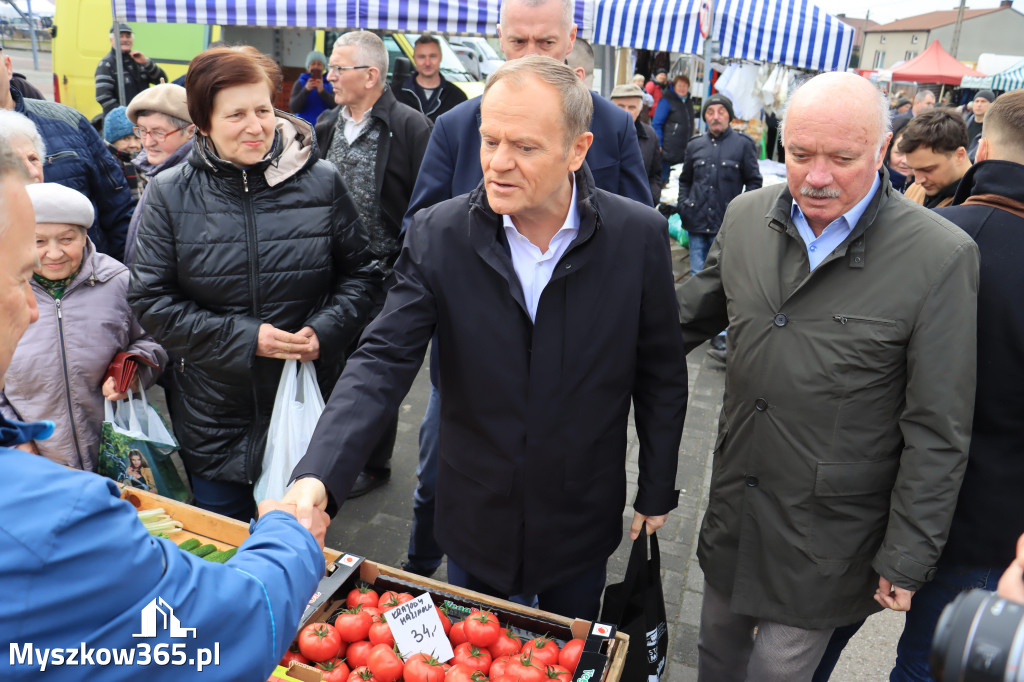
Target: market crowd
(867, 454)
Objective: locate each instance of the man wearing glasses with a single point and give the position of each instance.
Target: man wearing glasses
(377, 143)
(161, 119)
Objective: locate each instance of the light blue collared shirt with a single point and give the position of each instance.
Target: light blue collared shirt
(819, 248)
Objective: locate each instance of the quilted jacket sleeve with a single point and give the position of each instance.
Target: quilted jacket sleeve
(224, 341)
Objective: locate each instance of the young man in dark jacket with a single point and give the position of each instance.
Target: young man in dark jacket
(554, 307)
(139, 72)
(427, 90)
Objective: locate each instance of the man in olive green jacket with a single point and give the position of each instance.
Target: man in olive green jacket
(849, 392)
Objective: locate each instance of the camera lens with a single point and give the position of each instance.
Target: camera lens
(979, 638)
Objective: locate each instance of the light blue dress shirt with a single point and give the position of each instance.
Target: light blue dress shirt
(819, 248)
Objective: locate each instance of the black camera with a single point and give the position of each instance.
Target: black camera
(980, 637)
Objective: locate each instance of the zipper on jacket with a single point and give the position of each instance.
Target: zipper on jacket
(245, 182)
(253, 248)
(67, 383)
(843, 319)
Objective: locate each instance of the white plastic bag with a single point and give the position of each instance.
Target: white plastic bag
(136, 418)
(297, 408)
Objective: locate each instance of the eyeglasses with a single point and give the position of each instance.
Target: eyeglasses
(336, 70)
(158, 136)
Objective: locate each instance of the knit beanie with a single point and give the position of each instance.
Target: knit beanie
(986, 94)
(316, 56)
(718, 98)
(116, 125)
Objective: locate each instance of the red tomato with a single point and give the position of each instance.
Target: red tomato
(526, 669)
(363, 594)
(333, 670)
(569, 657)
(319, 642)
(353, 624)
(482, 629)
(357, 653)
(361, 674)
(446, 622)
(507, 644)
(372, 610)
(388, 601)
(473, 657)
(457, 635)
(290, 655)
(498, 666)
(557, 672)
(461, 672)
(423, 668)
(380, 632)
(504, 678)
(404, 597)
(384, 663)
(545, 651)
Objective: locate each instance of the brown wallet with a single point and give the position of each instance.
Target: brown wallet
(124, 368)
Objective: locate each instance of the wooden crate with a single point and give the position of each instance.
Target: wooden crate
(226, 533)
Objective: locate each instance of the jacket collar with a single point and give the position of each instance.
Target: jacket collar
(487, 235)
(1004, 178)
(725, 133)
(381, 109)
(780, 219)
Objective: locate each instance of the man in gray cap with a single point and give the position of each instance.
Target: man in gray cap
(139, 71)
(630, 97)
(717, 167)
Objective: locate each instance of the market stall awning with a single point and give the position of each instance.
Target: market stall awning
(1010, 79)
(442, 16)
(934, 65)
(791, 32)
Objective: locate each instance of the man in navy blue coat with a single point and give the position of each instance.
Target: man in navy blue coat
(451, 166)
(554, 309)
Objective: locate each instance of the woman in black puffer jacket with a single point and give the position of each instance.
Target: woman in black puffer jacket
(249, 254)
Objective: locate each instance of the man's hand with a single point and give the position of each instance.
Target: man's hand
(311, 84)
(113, 395)
(313, 352)
(892, 597)
(139, 57)
(317, 526)
(653, 523)
(277, 343)
(1011, 585)
(309, 495)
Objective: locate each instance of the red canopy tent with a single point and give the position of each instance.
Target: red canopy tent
(934, 65)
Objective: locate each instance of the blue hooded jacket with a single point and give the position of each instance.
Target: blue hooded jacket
(81, 578)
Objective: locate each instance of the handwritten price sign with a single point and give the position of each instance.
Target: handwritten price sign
(417, 629)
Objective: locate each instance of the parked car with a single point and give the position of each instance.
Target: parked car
(479, 51)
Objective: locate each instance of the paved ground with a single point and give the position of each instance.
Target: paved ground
(377, 525)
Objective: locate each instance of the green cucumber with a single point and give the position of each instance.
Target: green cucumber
(204, 550)
(189, 545)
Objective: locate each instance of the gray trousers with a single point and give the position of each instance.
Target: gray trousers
(730, 651)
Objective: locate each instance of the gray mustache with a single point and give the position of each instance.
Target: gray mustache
(819, 193)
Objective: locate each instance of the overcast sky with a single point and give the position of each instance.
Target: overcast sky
(884, 11)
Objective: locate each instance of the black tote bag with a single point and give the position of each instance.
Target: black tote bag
(637, 607)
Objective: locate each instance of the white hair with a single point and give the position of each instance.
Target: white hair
(370, 51)
(568, 10)
(881, 114)
(13, 125)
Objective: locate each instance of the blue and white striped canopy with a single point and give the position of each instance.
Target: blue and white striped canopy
(792, 32)
(1010, 79)
(442, 16)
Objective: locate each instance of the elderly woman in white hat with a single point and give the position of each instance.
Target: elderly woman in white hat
(161, 121)
(57, 372)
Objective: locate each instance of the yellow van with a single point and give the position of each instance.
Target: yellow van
(82, 31)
